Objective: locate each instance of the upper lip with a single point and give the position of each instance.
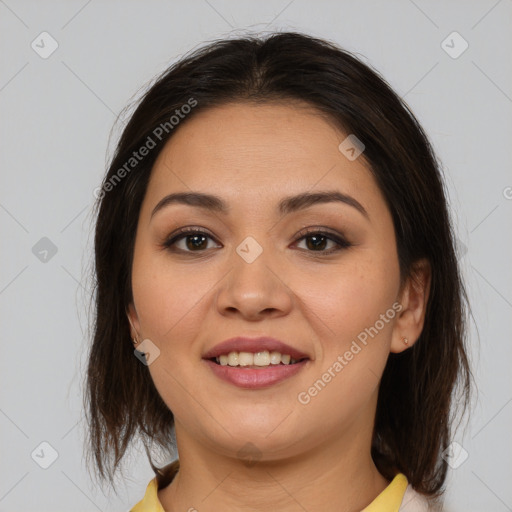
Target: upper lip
(259, 344)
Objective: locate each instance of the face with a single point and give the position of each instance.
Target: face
(320, 276)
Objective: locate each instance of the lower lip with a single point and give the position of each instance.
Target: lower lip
(251, 378)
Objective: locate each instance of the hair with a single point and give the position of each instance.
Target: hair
(417, 399)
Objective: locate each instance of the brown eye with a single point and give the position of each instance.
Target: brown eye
(316, 241)
(195, 240)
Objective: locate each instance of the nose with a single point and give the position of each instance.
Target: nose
(254, 288)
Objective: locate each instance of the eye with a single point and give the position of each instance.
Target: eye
(318, 240)
(195, 240)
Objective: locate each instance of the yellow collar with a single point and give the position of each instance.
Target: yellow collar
(150, 502)
(388, 500)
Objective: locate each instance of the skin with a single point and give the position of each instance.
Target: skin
(313, 456)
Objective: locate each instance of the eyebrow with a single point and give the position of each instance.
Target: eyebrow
(286, 206)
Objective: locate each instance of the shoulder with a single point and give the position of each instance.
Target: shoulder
(413, 501)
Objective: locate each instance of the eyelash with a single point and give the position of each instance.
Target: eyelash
(189, 231)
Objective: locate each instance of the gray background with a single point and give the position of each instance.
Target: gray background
(57, 113)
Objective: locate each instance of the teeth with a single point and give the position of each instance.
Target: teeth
(245, 359)
(275, 357)
(233, 359)
(263, 358)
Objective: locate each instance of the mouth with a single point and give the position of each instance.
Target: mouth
(255, 363)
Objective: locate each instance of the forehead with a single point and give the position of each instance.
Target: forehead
(243, 150)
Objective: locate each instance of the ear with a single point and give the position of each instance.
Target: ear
(133, 318)
(413, 298)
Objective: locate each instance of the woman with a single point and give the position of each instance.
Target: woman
(273, 240)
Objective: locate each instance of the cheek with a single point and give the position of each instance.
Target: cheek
(354, 317)
(350, 297)
(170, 309)
(168, 301)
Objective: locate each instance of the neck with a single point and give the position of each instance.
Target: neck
(339, 477)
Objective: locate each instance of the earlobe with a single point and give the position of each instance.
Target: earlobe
(414, 300)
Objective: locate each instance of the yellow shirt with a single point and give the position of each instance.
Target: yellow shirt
(389, 500)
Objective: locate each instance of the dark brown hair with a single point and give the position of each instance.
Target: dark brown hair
(417, 400)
